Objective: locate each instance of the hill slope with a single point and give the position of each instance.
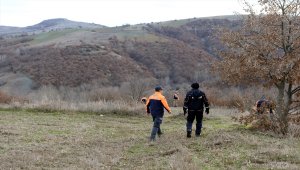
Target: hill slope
(7, 30)
(173, 52)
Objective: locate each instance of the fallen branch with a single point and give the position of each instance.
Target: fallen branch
(170, 152)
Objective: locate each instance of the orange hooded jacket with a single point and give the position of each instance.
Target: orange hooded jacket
(156, 104)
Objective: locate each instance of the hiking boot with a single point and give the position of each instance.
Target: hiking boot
(189, 134)
(197, 135)
(152, 142)
(159, 134)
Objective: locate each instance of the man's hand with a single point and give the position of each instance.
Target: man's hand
(184, 111)
(170, 112)
(207, 110)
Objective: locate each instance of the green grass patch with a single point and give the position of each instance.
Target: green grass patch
(58, 132)
(176, 23)
(141, 149)
(48, 36)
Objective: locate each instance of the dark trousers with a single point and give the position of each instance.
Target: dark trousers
(190, 119)
(156, 127)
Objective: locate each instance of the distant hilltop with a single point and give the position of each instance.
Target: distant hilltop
(48, 25)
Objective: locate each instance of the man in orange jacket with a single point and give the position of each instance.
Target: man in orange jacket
(156, 104)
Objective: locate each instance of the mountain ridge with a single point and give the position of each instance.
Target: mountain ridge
(48, 25)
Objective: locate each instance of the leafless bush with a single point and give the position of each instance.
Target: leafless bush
(84, 98)
(240, 98)
(268, 122)
(5, 99)
(136, 88)
(261, 122)
(105, 93)
(294, 130)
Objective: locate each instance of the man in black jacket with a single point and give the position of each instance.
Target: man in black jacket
(193, 105)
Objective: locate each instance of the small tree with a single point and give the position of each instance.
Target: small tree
(266, 50)
(137, 87)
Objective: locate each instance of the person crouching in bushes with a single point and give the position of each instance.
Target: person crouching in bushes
(263, 105)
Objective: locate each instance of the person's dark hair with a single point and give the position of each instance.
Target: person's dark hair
(195, 86)
(158, 88)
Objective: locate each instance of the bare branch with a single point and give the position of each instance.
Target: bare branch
(297, 89)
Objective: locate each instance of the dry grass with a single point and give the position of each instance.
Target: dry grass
(119, 107)
(80, 99)
(66, 140)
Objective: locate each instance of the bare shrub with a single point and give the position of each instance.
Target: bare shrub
(261, 122)
(136, 88)
(294, 130)
(11, 101)
(84, 98)
(294, 119)
(105, 93)
(49, 93)
(234, 97)
(5, 99)
(268, 122)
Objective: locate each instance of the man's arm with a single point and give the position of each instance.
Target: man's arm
(148, 105)
(206, 104)
(186, 102)
(165, 104)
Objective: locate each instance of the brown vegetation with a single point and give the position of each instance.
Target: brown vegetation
(177, 55)
(112, 64)
(265, 50)
(200, 33)
(75, 65)
(10, 100)
(5, 99)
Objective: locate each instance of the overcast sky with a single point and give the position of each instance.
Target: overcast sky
(112, 12)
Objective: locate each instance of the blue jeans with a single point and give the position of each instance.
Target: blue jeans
(156, 127)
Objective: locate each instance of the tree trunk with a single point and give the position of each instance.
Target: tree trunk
(282, 108)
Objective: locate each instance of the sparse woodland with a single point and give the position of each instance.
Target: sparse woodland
(265, 51)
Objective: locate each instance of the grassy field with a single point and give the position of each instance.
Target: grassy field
(36, 140)
(176, 23)
(48, 36)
